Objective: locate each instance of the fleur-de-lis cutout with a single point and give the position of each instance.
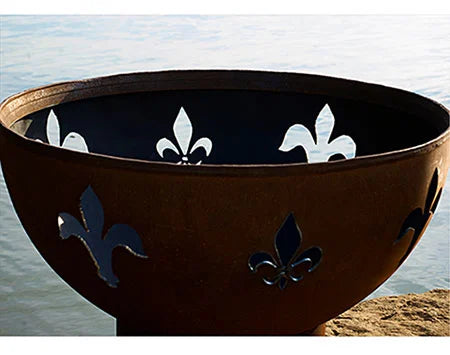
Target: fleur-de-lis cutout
(73, 141)
(287, 246)
(299, 135)
(182, 128)
(91, 231)
(417, 220)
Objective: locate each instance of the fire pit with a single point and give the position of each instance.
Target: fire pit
(223, 202)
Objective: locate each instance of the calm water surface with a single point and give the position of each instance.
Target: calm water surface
(412, 53)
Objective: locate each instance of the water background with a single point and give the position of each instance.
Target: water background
(411, 53)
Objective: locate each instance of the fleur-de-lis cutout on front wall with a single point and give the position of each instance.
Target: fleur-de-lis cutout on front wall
(417, 220)
(323, 150)
(91, 231)
(287, 246)
(73, 140)
(182, 128)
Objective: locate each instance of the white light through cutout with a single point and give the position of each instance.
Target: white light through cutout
(73, 141)
(182, 129)
(299, 135)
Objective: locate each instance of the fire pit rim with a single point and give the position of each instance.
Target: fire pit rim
(85, 85)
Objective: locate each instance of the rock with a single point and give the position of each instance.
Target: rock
(406, 315)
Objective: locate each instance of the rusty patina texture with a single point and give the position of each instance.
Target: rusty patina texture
(200, 224)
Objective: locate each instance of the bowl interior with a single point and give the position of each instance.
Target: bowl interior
(238, 126)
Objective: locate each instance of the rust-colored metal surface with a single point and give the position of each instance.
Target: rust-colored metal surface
(257, 239)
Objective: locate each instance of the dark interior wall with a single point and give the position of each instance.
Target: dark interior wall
(245, 127)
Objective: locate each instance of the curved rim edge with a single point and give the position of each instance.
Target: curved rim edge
(217, 169)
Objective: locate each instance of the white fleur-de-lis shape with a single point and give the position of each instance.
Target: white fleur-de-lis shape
(182, 128)
(299, 135)
(73, 140)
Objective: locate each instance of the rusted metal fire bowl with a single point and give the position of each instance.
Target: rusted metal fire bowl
(223, 202)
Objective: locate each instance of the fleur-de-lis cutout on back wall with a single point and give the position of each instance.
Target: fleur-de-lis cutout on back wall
(299, 135)
(182, 129)
(91, 232)
(73, 141)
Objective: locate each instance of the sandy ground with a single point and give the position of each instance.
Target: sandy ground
(406, 315)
